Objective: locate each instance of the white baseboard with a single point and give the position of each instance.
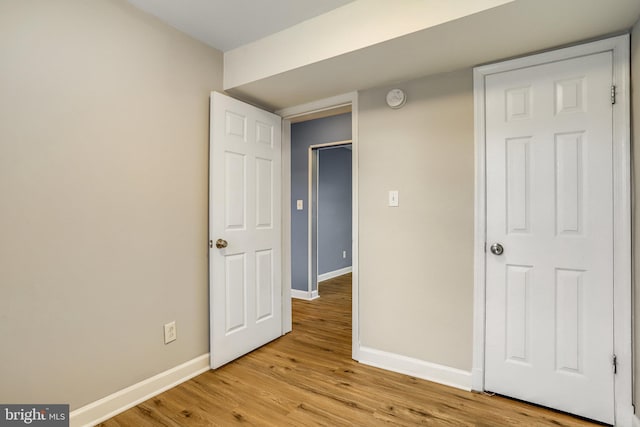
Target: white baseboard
(635, 421)
(416, 368)
(335, 273)
(305, 295)
(110, 406)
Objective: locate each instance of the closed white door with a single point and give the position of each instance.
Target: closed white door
(549, 295)
(244, 225)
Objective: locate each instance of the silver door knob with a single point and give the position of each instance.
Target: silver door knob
(221, 243)
(497, 249)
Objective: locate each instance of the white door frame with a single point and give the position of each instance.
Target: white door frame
(312, 235)
(287, 115)
(619, 46)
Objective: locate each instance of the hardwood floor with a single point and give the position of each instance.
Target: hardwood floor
(307, 378)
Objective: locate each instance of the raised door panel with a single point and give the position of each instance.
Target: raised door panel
(264, 285)
(264, 193)
(235, 126)
(518, 309)
(569, 321)
(235, 191)
(518, 172)
(235, 293)
(569, 176)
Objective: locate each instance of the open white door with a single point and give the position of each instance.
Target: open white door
(245, 283)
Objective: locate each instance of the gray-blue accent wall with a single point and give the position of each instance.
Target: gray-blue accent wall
(304, 134)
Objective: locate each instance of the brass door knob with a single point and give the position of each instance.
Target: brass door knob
(221, 243)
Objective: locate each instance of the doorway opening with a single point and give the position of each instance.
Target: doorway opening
(330, 214)
(321, 200)
(331, 108)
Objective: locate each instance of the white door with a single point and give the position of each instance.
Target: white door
(549, 295)
(244, 214)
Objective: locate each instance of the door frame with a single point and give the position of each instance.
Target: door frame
(288, 114)
(622, 285)
(312, 233)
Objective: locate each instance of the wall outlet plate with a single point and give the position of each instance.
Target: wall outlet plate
(170, 332)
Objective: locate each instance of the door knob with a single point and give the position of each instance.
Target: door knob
(221, 243)
(497, 249)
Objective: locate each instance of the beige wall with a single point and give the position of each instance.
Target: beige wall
(416, 261)
(103, 192)
(635, 143)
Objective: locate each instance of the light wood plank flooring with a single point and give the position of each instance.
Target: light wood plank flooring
(307, 378)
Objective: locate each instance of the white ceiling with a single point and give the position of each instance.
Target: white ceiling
(227, 24)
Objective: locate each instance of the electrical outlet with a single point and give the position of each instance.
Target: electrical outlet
(170, 332)
(344, 254)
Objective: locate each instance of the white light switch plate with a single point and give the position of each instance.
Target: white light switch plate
(393, 198)
(299, 205)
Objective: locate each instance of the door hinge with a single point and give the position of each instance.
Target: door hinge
(613, 94)
(211, 244)
(615, 364)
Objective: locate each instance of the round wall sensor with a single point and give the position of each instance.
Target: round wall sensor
(396, 98)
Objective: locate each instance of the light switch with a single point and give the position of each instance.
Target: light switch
(299, 205)
(393, 198)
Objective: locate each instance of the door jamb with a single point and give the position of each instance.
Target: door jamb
(287, 115)
(313, 189)
(619, 47)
